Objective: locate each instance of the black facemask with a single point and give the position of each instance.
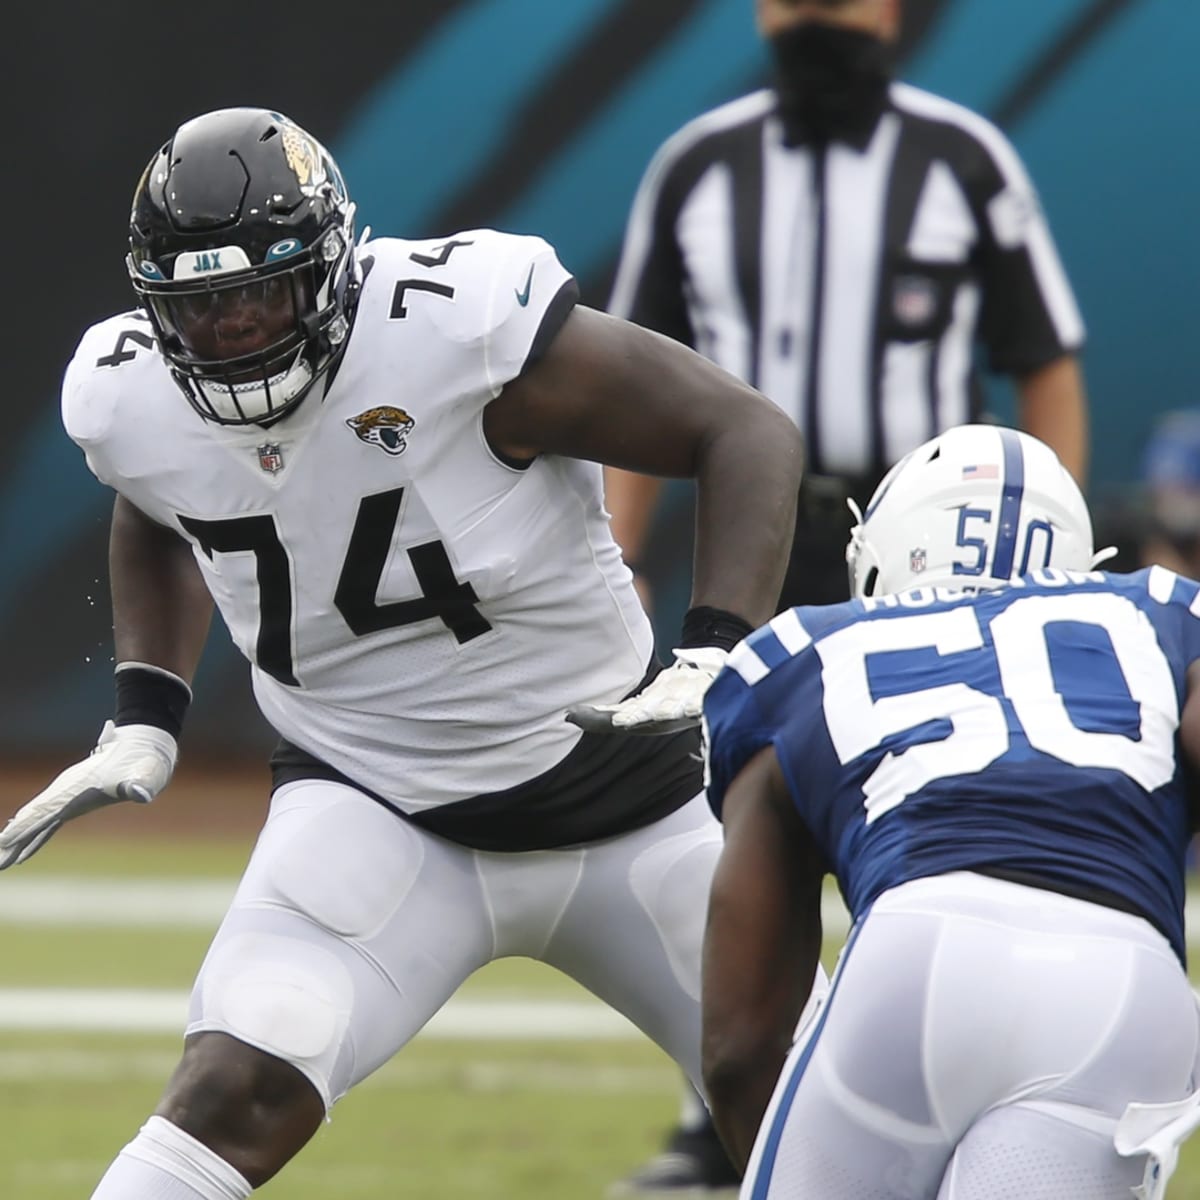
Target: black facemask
(832, 82)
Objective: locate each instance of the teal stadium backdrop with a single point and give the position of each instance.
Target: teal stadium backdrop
(534, 116)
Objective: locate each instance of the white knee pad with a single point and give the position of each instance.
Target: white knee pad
(286, 996)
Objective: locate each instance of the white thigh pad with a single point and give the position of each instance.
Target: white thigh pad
(341, 859)
(286, 996)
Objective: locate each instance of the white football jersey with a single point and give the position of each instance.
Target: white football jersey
(417, 613)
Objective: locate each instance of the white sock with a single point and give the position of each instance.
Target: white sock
(164, 1163)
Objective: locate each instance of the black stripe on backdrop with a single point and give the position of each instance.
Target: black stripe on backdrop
(917, 18)
(580, 84)
(1045, 70)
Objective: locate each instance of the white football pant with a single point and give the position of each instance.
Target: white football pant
(351, 928)
(980, 1042)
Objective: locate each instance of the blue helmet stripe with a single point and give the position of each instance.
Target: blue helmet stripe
(1010, 504)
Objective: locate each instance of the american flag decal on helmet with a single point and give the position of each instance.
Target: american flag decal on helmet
(981, 471)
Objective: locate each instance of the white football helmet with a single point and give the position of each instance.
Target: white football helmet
(972, 508)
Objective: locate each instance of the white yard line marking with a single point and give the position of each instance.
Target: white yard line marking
(128, 903)
(403, 1073)
(167, 903)
(147, 1011)
(54, 900)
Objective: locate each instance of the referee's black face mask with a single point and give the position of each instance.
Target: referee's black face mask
(831, 81)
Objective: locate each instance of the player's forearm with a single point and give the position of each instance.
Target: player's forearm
(161, 607)
(739, 1090)
(754, 984)
(1053, 407)
(746, 489)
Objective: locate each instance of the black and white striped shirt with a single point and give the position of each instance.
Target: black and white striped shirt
(850, 284)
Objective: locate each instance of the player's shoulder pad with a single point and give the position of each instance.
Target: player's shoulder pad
(481, 287)
(1160, 584)
(785, 637)
(114, 356)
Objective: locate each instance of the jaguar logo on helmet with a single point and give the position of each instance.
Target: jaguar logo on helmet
(303, 156)
(385, 427)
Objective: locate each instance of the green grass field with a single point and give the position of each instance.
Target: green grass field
(449, 1117)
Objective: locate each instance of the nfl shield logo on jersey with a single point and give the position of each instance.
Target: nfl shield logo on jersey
(917, 560)
(270, 457)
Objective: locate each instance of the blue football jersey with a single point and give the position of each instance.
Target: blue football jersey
(1031, 730)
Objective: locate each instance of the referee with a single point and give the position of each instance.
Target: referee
(844, 243)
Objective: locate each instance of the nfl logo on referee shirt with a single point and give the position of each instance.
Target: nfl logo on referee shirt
(270, 457)
(913, 300)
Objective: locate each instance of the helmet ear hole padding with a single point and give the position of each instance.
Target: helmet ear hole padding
(862, 558)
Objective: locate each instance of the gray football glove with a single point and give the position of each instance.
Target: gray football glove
(130, 762)
(672, 701)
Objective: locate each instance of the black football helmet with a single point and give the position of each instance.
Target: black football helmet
(242, 253)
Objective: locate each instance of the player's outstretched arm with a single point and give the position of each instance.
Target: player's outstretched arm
(762, 947)
(614, 393)
(161, 606)
(161, 614)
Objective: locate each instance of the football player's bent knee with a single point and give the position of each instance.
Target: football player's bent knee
(252, 1108)
(287, 997)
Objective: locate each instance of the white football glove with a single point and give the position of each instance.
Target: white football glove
(672, 701)
(130, 762)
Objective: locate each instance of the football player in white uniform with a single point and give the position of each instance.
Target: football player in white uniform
(387, 476)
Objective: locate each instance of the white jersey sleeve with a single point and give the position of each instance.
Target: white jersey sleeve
(496, 299)
(531, 295)
(113, 355)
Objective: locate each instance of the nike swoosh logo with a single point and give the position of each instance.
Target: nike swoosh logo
(523, 296)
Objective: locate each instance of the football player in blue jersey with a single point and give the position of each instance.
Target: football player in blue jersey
(991, 750)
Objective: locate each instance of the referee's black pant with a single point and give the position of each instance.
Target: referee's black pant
(816, 572)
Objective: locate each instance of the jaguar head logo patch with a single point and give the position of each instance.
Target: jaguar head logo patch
(386, 427)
